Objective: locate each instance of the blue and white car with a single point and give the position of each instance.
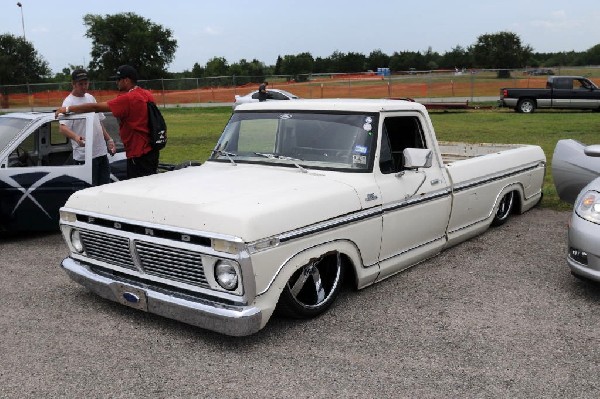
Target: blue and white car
(37, 174)
(576, 173)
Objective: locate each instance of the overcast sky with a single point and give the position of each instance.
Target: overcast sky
(264, 29)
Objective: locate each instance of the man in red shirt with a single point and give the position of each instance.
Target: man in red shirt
(130, 107)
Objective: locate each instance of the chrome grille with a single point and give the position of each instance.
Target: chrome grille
(107, 248)
(170, 263)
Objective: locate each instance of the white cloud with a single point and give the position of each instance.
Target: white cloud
(557, 20)
(209, 30)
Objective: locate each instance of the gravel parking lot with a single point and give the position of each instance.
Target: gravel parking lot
(497, 316)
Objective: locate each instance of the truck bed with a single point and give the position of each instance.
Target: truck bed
(455, 151)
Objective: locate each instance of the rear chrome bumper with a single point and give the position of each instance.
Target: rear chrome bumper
(225, 319)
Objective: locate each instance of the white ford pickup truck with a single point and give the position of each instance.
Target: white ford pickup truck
(296, 197)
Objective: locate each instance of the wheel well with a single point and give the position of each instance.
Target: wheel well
(527, 98)
(351, 279)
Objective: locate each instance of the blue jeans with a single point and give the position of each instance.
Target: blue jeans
(100, 170)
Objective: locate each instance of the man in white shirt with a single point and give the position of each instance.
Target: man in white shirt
(75, 130)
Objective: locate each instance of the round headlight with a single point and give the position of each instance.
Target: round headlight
(76, 241)
(226, 275)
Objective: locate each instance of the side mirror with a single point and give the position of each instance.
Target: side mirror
(415, 158)
(592, 150)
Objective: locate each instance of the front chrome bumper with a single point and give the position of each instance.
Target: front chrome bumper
(225, 319)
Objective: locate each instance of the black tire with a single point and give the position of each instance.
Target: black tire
(526, 106)
(312, 288)
(504, 209)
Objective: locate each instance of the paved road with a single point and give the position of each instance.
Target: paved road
(497, 316)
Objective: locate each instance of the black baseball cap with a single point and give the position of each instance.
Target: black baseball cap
(126, 71)
(79, 74)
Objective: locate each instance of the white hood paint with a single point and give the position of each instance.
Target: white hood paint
(247, 201)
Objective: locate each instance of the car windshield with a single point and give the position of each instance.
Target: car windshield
(336, 141)
(10, 128)
(288, 94)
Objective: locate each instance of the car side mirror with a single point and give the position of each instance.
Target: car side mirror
(415, 158)
(592, 150)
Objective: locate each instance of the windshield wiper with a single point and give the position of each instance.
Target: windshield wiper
(286, 158)
(294, 161)
(227, 154)
(266, 155)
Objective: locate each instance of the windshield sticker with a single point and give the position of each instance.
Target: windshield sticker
(368, 119)
(359, 159)
(285, 116)
(360, 149)
(367, 127)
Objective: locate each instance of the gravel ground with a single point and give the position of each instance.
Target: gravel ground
(497, 316)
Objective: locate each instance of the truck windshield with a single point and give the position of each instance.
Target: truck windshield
(10, 128)
(337, 141)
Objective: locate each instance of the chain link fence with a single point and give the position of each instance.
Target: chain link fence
(431, 86)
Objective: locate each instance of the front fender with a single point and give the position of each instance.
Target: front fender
(268, 298)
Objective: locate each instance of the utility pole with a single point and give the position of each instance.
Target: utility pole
(24, 40)
(22, 19)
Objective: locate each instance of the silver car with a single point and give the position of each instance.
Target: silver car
(272, 94)
(576, 171)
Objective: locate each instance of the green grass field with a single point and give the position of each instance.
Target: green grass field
(193, 133)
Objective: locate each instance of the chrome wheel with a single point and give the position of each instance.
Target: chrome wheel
(313, 287)
(504, 209)
(526, 106)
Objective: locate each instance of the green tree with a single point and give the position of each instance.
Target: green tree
(502, 50)
(216, 66)
(408, 60)
(127, 38)
(277, 70)
(297, 67)
(197, 70)
(458, 57)
(377, 59)
(20, 62)
(323, 65)
(347, 62)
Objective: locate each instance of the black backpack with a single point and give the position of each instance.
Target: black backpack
(157, 127)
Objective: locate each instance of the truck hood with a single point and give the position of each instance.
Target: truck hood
(247, 201)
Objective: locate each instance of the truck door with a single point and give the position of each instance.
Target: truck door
(38, 176)
(562, 91)
(585, 95)
(416, 203)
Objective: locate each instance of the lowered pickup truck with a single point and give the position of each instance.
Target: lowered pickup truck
(297, 196)
(574, 92)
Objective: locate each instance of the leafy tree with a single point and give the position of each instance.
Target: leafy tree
(377, 59)
(407, 60)
(458, 57)
(323, 65)
(277, 70)
(297, 67)
(20, 62)
(127, 38)
(501, 50)
(216, 66)
(197, 70)
(347, 63)
(245, 71)
(592, 56)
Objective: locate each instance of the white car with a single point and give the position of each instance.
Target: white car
(272, 94)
